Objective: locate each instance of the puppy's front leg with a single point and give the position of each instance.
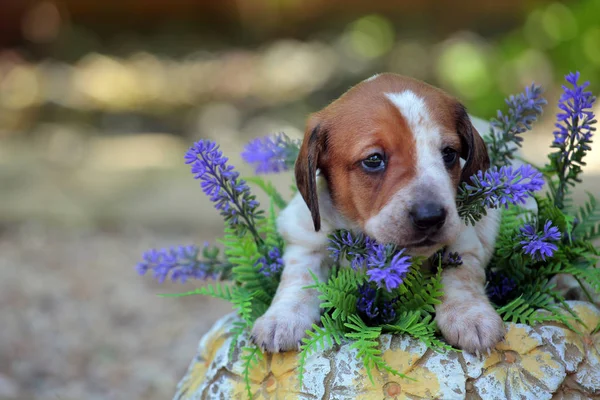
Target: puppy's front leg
(466, 318)
(294, 309)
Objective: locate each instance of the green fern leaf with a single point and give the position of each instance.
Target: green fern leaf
(251, 356)
(217, 290)
(239, 327)
(367, 344)
(243, 253)
(588, 216)
(588, 272)
(267, 228)
(318, 339)
(339, 294)
(548, 211)
(242, 300)
(526, 308)
(419, 292)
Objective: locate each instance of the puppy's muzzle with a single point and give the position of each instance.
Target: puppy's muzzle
(427, 217)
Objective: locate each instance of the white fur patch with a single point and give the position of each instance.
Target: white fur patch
(428, 139)
(412, 107)
(372, 78)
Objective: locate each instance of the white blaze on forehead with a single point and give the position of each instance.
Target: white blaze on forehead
(412, 107)
(427, 133)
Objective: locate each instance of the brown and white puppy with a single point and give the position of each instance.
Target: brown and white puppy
(384, 159)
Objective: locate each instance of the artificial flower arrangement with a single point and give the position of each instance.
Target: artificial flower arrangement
(384, 290)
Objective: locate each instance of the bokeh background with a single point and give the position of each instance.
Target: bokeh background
(100, 99)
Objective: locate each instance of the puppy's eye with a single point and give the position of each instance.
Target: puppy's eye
(450, 156)
(373, 163)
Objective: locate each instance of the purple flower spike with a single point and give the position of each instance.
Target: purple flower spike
(230, 195)
(537, 245)
(181, 263)
(447, 259)
(353, 247)
(271, 154)
(575, 105)
(506, 186)
(523, 111)
(573, 136)
(497, 187)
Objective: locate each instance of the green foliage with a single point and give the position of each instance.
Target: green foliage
(421, 327)
(588, 272)
(318, 339)
(251, 356)
(574, 255)
(366, 341)
(420, 292)
(216, 290)
(548, 211)
(588, 220)
(339, 293)
(527, 308)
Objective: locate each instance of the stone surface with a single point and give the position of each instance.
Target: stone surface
(548, 361)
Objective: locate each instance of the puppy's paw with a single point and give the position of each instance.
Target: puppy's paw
(475, 329)
(282, 328)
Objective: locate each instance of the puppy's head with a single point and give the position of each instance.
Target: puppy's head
(390, 150)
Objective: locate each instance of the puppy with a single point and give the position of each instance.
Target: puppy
(385, 159)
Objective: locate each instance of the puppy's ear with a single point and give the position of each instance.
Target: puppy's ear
(474, 150)
(311, 152)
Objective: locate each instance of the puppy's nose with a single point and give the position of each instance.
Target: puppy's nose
(428, 216)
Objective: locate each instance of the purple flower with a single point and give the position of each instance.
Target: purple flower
(270, 264)
(220, 182)
(362, 251)
(271, 154)
(367, 307)
(354, 247)
(389, 274)
(448, 259)
(500, 287)
(502, 187)
(523, 110)
(453, 259)
(573, 135)
(575, 116)
(180, 262)
(537, 245)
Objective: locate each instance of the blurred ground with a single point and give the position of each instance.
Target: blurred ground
(98, 105)
(85, 326)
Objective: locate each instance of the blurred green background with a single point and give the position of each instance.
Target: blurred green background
(100, 99)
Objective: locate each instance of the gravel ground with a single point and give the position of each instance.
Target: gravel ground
(78, 323)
